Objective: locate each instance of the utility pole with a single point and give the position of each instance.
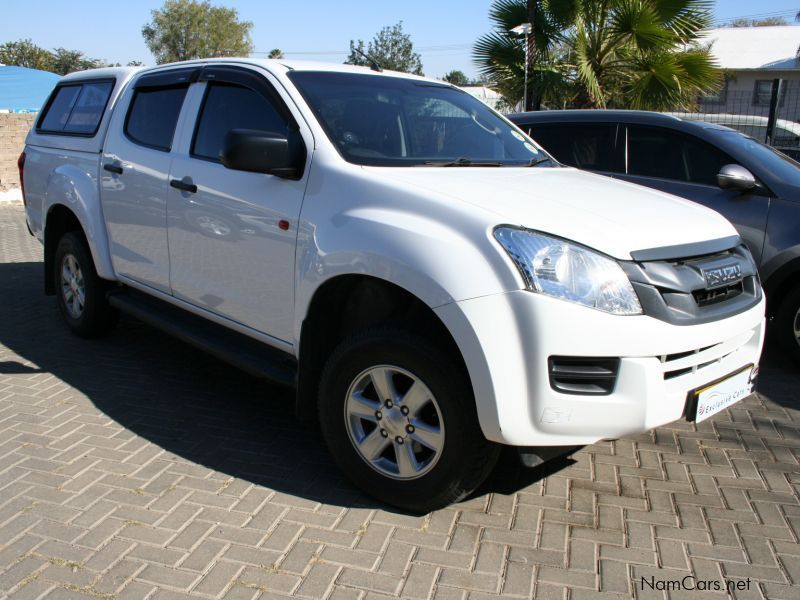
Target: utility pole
(530, 54)
(525, 29)
(529, 101)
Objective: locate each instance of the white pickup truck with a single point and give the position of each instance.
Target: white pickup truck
(429, 281)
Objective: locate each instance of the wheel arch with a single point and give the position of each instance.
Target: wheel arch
(72, 202)
(345, 304)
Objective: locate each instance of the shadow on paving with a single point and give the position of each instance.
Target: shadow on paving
(189, 403)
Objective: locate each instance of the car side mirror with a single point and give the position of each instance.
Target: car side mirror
(263, 152)
(736, 178)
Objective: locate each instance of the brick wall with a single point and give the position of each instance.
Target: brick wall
(13, 129)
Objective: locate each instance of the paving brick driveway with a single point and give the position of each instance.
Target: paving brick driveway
(136, 467)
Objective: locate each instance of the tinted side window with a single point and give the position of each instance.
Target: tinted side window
(76, 109)
(586, 146)
(57, 113)
(153, 116)
(666, 154)
(229, 107)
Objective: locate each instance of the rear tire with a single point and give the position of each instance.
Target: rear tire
(787, 323)
(80, 292)
(423, 450)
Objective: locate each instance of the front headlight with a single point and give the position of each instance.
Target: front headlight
(563, 270)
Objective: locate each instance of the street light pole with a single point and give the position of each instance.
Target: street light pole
(524, 29)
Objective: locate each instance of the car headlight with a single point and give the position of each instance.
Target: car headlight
(568, 271)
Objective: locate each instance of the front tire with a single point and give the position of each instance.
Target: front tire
(399, 418)
(80, 291)
(787, 323)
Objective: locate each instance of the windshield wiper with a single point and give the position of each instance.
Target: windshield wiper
(537, 161)
(462, 162)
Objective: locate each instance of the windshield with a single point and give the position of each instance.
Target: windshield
(391, 121)
(781, 166)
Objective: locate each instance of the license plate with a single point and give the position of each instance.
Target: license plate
(713, 398)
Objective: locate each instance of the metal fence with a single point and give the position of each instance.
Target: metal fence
(770, 113)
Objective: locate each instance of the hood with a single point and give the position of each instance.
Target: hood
(612, 216)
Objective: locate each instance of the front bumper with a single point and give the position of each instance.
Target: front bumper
(506, 340)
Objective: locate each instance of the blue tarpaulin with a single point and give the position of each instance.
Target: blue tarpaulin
(24, 90)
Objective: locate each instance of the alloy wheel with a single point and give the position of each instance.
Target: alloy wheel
(73, 287)
(394, 422)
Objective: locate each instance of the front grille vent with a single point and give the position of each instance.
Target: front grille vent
(586, 376)
(679, 364)
(709, 297)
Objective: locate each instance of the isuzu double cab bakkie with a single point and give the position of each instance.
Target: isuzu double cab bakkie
(430, 282)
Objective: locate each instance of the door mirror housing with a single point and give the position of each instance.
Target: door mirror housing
(736, 178)
(264, 152)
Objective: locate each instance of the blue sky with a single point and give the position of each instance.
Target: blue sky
(442, 30)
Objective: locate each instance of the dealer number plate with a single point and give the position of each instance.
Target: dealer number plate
(710, 400)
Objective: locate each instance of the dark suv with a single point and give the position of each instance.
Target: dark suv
(754, 186)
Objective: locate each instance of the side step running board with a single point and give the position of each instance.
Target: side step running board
(243, 352)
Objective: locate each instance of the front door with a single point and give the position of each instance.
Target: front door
(232, 233)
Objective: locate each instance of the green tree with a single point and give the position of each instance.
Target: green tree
(456, 78)
(641, 54)
(24, 53)
(186, 29)
(66, 61)
(275, 53)
(135, 63)
(391, 48)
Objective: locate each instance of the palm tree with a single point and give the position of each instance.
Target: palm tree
(641, 54)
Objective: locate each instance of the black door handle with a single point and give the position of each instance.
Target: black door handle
(183, 186)
(112, 168)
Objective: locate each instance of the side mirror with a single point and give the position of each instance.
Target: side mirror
(736, 178)
(263, 152)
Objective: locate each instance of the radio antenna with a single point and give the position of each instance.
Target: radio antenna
(373, 64)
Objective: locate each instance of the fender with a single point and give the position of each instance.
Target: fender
(357, 222)
(75, 189)
(437, 263)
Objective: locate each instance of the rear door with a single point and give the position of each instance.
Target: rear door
(684, 165)
(135, 166)
(591, 146)
(232, 233)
